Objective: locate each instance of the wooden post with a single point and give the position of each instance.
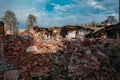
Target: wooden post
(119, 10)
(1, 37)
(118, 33)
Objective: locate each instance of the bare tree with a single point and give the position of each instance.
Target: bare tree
(11, 21)
(110, 19)
(31, 21)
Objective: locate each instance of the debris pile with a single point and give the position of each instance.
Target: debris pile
(88, 59)
(4, 67)
(84, 59)
(30, 58)
(11, 75)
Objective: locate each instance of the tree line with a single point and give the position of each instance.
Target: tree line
(11, 21)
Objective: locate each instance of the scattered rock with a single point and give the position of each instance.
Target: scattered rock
(32, 48)
(11, 75)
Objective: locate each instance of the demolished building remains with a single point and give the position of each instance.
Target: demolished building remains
(72, 58)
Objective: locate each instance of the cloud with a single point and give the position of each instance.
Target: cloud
(64, 8)
(58, 13)
(96, 5)
(41, 1)
(58, 7)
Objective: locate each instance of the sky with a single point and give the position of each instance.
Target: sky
(51, 13)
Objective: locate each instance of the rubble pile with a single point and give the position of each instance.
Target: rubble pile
(4, 67)
(34, 65)
(85, 59)
(30, 58)
(80, 59)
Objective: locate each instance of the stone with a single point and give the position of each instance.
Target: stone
(11, 75)
(88, 51)
(32, 48)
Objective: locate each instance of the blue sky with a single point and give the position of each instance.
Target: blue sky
(60, 12)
